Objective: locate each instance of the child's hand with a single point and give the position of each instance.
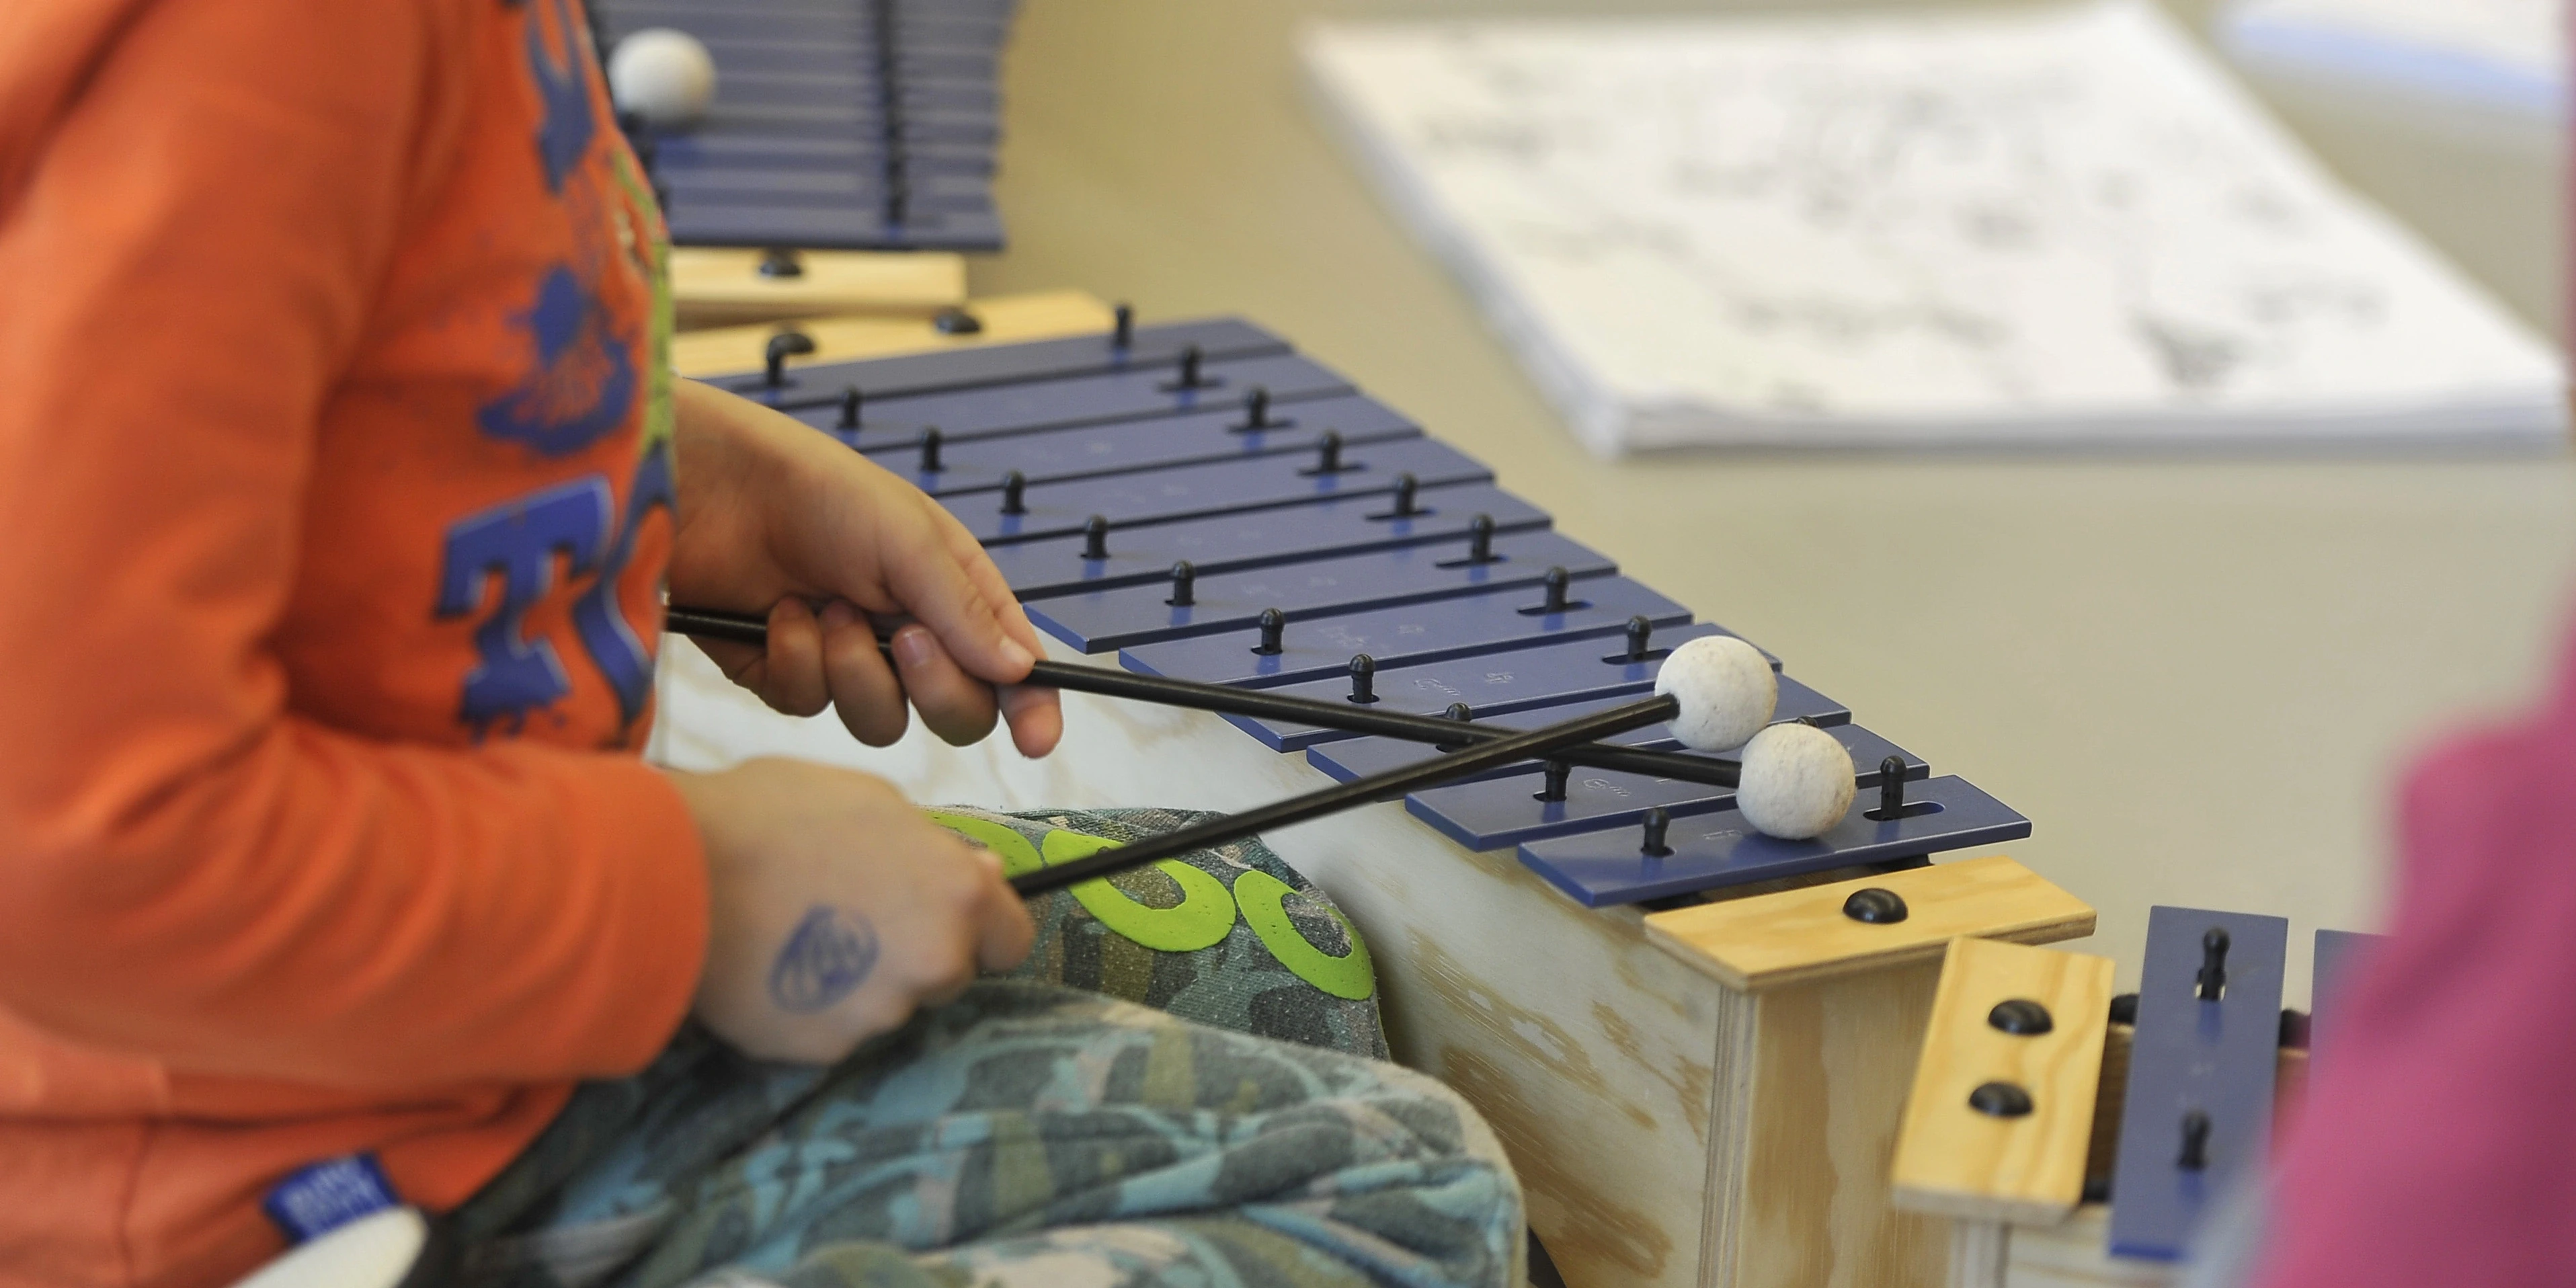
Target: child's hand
(836, 909)
(773, 514)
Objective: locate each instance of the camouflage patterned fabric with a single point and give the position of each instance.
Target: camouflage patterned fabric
(1031, 1134)
(1257, 949)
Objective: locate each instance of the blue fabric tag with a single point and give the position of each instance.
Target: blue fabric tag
(321, 1197)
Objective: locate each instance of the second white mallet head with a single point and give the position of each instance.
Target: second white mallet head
(1725, 689)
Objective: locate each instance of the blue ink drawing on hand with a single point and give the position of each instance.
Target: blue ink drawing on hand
(831, 951)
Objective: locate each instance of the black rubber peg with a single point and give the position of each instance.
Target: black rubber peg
(1274, 624)
(1328, 453)
(1015, 486)
(1480, 539)
(956, 321)
(1185, 585)
(2195, 1142)
(1405, 486)
(1555, 583)
(2124, 1008)
(1641, 634)
(1363, 678)
(1189, 376)
(1999, 1100)
(779, 261)
(898, 202)
(1659, 822)
(2213, 964)
(1891, 790)
(1553, 779)
(781, 347)
(2021, 1017)
(850, 408)
(1095, 538)
(930, 441)
(1460, 712)
(1256, 409)
(1122, 327)
(1877, 907)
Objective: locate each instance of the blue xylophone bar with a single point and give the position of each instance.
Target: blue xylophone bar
(1098, 398)
(2198, 1111)
(1516, 681)
(1197, 491)
(1101, 620)
(1226, 543)
(1719, 849)
(1087, 451)
(2339, 954)
(1487, 623)
(1511, 808)
(1359, 757)
(994, 367)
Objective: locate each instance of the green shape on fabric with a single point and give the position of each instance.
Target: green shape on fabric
(1262, 898)
(1016, 853)
(1204, 916)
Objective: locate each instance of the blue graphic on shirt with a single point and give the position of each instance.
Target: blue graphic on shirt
(564, 90)
(519, 541)
(605, 634)
(582, 382)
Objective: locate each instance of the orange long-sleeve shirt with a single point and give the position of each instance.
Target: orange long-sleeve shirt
(334, 498)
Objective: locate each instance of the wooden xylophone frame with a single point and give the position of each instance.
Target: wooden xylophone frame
(1703, 1095)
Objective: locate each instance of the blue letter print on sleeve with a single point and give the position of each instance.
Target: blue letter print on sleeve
(519, 541)
(582, 379)
(605, 632)
(564, 88)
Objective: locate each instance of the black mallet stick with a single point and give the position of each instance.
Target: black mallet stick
(1262, 704)
(1534, 744)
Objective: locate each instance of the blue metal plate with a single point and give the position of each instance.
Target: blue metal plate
(1359, 757)
(1100, 620)
(964, 415)
(1155, 348)
(2339, 955)
(1402, 636)
(1122, 447)
(1229, 543)
(1493, 686)
(2214, 1057)
(1196, 491)
(1501, 812)
(1710, 851)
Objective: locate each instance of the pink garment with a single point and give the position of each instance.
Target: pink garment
(2438, 1145)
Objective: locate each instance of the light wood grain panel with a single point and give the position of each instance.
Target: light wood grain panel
(1832, 1060)
(1040, 315)
(718, 286)
(1802, 935)
(2072, 1254)
(1954, 1161)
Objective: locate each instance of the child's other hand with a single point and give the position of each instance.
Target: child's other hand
(773, 514)
(836, 909)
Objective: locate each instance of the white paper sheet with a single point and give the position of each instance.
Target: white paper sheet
(2033, 226)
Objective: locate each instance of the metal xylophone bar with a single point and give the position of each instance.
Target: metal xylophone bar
(866, 124)
(1146, 491)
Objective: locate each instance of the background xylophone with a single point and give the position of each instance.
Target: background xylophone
(842, 124)
(1699, 1083)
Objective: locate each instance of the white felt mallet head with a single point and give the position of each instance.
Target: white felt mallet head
(662, 75)
(1725, 688)
(1796, 783)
